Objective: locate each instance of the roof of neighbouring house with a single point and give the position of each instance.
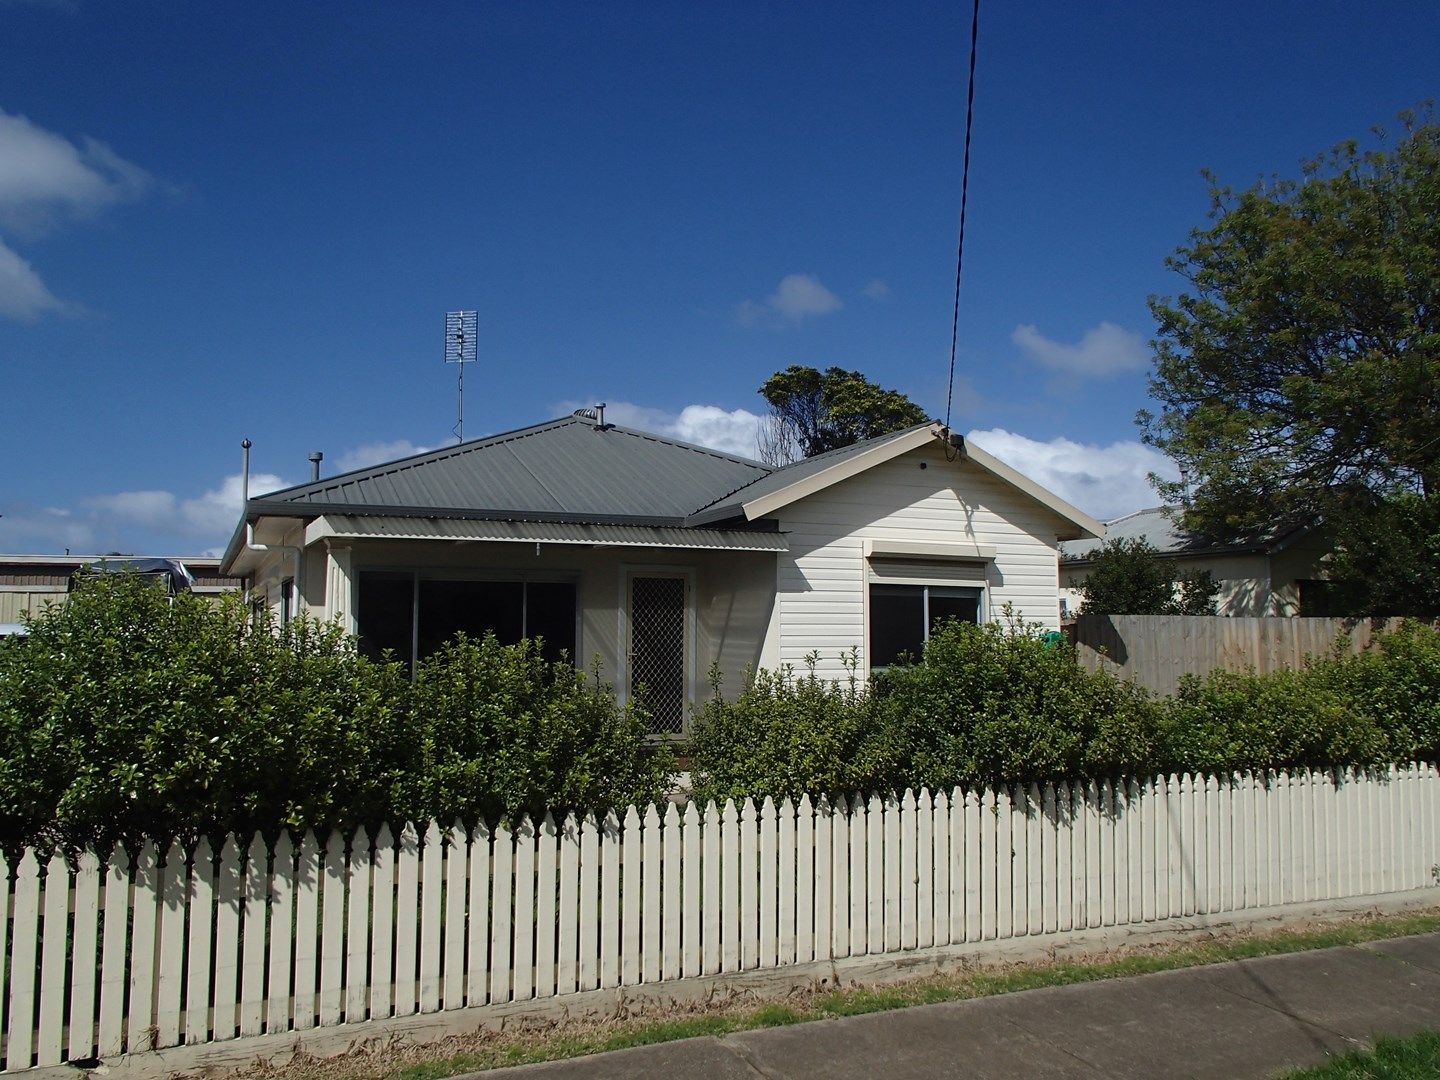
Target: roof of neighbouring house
(1159, 526)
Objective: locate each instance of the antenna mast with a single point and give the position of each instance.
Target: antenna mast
(460, 331)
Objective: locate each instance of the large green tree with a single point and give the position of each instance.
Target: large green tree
(1127, 577)
(813, 411)
(1298, 375)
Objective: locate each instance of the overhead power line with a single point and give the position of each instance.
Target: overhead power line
(964, 199)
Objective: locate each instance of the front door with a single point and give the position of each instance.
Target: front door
(658, 660)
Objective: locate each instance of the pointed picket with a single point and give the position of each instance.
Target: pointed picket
(545, 887)
(357, 928)
(588, 976)
(708, 910)
(252, 949)
(407, 921)
(170, 950)
(477, 969)
(200, 901)
(788, 896)
(901, 926)
(976, 884)
(5, 913)
(672, 910)
(695, 904)
(1003, 822)
(49, 1046)
(382, 926)
(940, 865)
(570, 912)
(654, 871)
(502, 886)
(456, 866)
(229, 887)
(84, 953)
(632, 895)
(924, 870)
(875, 876)
(812, 879)
(749, 900)
(730, 887)
(307, 928)
(610, 901)
(282, 934)
(432, 869)
(834, 941)
(767, 944)
(332, 931)
(145, 911)
(20, 1041)
(523, 954)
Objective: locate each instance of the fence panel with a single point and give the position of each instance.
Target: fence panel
(113, 955)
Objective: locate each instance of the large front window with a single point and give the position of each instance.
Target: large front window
(412, 615)
(902, 617)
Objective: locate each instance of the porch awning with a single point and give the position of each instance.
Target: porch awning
(541, 532)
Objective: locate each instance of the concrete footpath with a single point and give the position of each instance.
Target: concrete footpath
(1247, 1018)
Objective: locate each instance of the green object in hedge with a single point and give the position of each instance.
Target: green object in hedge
(1051, 639)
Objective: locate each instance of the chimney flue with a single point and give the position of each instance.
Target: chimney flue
(600, 414)
(315, 458)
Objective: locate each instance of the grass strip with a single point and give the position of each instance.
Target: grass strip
(481, 1050)
(1415, 1058)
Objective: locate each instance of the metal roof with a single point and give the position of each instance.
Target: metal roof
(546, 532)
(1158, 527)
(570, 469)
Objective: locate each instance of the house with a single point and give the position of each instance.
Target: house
(661, 558)
(1279, 573)
(28, 582)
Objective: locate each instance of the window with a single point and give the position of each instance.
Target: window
(287, 600)
(413, 616)
(902, 617)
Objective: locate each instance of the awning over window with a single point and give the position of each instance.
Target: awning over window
(541, 532)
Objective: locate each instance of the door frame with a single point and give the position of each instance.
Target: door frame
(628, 572)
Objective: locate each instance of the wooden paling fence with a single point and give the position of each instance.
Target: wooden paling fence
(1155, 650)
(117, 955)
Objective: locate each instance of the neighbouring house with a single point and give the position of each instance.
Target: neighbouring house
(659, 558)
(1277, 574)
(28, 582)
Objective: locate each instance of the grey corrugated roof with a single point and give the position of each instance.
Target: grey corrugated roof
(569, 469)
(1158, 528)
(731, 503)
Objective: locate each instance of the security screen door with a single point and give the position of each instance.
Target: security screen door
(657, 649)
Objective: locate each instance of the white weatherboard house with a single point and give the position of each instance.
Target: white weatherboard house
(660, 558)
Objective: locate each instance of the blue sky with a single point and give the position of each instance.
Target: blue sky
(221, 222)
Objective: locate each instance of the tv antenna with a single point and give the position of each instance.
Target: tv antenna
(460, 330)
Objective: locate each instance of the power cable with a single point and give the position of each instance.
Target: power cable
(964, 199)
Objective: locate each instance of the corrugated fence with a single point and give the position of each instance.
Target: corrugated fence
(115, 955)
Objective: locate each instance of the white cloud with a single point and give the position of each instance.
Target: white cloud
(215, 513)
(23, 295)
(1104, 481)
(1103, 350)
(43, 175)
(796, 298)
(374, 453)
(877, 290)
(731, 431)
(147, 508)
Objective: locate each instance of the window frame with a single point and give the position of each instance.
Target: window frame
(979, 593)
(476, 574)
(628, 572)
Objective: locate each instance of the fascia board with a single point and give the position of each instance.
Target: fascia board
(1088, 526)
(841, 470)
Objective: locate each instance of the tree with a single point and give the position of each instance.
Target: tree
(1299, 374)
(1127, 578)
(812, 412)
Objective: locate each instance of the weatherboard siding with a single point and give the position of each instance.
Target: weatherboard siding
(821, 582)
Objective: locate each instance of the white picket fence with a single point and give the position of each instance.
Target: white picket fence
(112, 956)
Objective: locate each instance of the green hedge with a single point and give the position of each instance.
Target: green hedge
(992, 704)
(125, 714)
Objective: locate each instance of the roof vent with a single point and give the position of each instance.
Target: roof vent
(597, 414)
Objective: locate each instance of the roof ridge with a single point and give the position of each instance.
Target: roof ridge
(709, 451)
(1137, 513)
